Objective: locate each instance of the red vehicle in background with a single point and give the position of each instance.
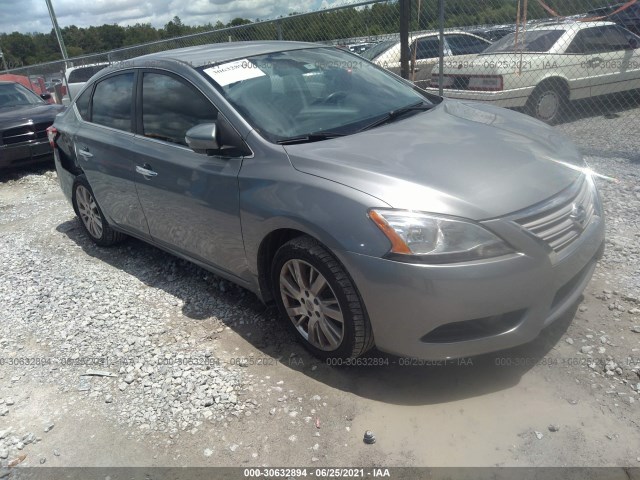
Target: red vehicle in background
(35, 84)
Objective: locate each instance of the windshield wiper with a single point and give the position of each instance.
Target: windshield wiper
(398, 112)
(310, 137)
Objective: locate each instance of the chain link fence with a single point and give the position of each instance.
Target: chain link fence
(559, 61)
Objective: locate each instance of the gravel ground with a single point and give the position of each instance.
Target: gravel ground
(184, 368)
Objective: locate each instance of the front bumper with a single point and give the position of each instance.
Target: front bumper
(436, 312)
(15, 155)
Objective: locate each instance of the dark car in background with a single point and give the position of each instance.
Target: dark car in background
(628, 18)
(24, 118)
(494, 33)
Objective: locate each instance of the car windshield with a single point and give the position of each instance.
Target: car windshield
(531, 41)
(378, 49)
(289, 94)
(15, 95)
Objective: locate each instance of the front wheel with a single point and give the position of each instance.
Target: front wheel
(315, 294)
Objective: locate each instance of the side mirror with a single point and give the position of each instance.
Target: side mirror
(202, 138)
(45, 96)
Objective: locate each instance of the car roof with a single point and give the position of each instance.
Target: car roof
(447, 32)
(88, 65)
(572, 25)
(221, 52)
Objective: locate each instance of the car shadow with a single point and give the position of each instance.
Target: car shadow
(378, 376)
(17, 173)
(606, 106)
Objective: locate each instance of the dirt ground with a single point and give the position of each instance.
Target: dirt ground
(542, 404)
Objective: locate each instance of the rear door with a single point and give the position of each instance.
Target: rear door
(102, 145)
(606, 57)
(190, 200)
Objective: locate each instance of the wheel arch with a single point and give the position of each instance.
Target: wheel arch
(555, 80)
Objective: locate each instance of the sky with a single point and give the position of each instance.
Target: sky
(32, 15)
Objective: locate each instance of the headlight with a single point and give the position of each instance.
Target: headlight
(427, 238)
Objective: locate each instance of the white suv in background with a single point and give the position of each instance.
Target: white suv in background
(78, 76)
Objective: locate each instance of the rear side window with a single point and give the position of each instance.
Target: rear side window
(428, 48)
(83, 74)
(170, 107)
(82, 104)
(466, 44)
(112, 102)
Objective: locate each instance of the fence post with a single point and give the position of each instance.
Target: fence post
(279, 28)
(405, 17)
(441, 57)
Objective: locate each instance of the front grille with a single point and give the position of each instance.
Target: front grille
(25, 133)
(560, 222)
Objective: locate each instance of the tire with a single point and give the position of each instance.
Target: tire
(90, 215)
(314, 313)
(548, 103)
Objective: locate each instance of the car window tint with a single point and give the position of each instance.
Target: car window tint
(112, 102)
(376, 50)
(531, 41)
(427, 48)
(632, 40)
(83, 74)
(598, 40)
(82, 104)
(170, 107)
(466, 44)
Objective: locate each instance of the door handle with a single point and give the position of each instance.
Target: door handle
(85, 153)
(594, 62)
(145, 170)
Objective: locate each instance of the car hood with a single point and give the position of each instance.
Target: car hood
(13, 116)
(471, 160)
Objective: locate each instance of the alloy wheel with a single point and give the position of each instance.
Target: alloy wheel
(312, 305)
(88, 210)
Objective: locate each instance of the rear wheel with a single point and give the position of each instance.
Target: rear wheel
(90, 215)
(315, 294)
(548, 103)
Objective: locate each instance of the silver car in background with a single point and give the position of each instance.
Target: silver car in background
(370, 212)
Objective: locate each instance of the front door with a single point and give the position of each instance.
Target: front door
(190, 200)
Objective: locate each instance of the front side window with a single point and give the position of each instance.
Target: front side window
(599, 40)
(112, 102)
(170, 107)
